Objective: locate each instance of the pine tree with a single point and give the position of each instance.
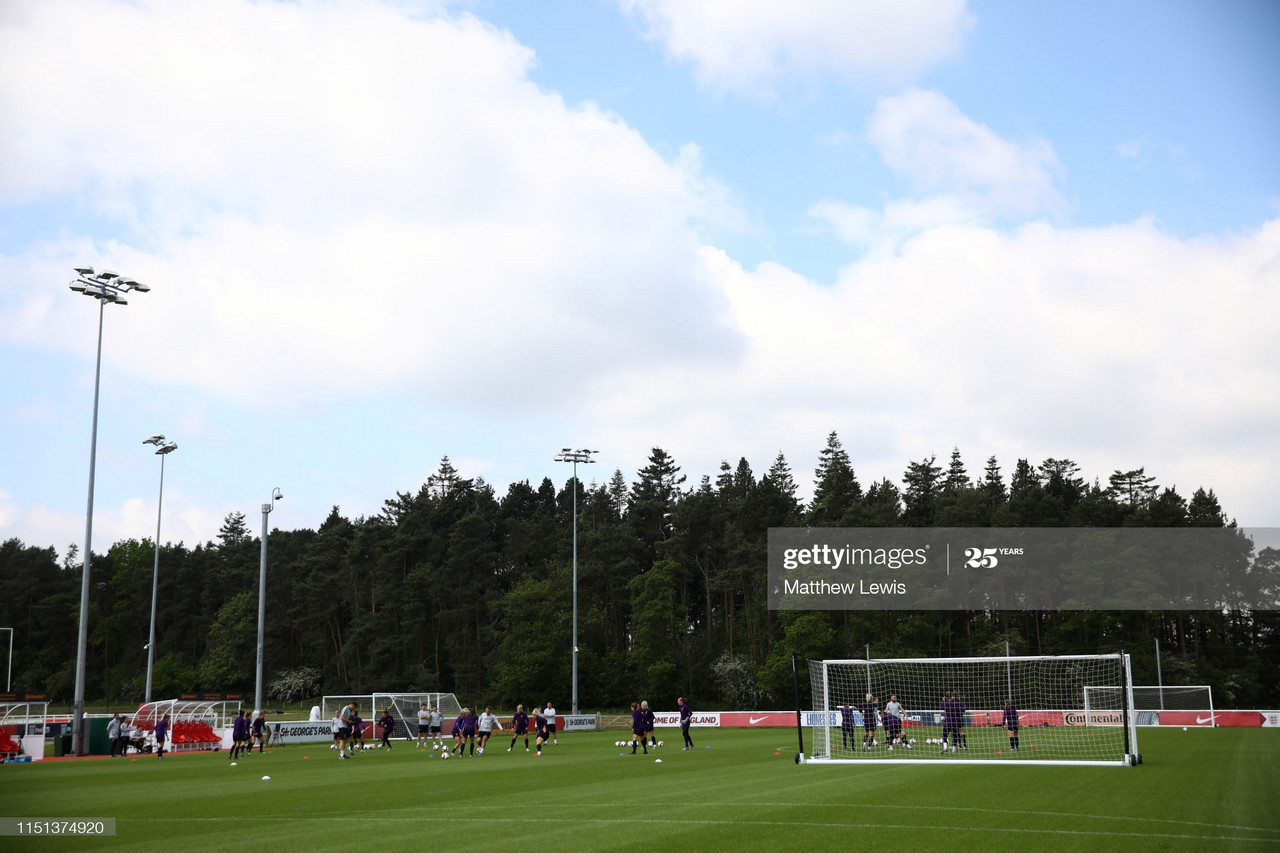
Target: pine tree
(836, 488)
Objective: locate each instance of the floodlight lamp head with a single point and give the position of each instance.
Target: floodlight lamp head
(167, 447)
(77, 286)
(155, 439)
(84, 270)
(107, 275)
(140, 287)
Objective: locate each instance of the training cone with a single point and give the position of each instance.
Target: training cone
(266, 778)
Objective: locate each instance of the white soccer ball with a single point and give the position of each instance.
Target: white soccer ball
(662, 743)
(657, 761)
(912, 742)
(1184, 728)
(445, 754)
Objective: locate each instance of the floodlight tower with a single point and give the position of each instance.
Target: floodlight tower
(163, 449)
(575, 456)
(105, 286)
(262, 597)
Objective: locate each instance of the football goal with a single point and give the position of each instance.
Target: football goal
(1005, 710)
(404, 707)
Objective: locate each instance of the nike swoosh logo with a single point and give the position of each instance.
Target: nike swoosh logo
(751, 721)
(1200, 721)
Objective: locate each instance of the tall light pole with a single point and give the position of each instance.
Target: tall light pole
(163, 449)
(262, 597)
(105, 287)
(575, 456)
(8, 679)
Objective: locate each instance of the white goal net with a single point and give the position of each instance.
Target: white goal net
(967, 710)
(404, 708)
(1149, 700)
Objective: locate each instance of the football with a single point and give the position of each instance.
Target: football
(661, 743)
(444, 754)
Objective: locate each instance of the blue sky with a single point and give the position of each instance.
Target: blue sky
(378, 233)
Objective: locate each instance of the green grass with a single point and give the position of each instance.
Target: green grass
(1198, 790)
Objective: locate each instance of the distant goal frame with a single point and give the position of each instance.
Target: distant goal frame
(1056, 715)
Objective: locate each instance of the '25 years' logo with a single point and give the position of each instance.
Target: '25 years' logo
(985, 558)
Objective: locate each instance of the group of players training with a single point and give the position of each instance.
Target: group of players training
(891, 716)
(470, 731)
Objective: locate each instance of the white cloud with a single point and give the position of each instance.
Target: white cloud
(924, 136)
(343, 198)
(344, 210)
(754, 46)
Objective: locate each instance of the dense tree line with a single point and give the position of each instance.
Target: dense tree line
(456, 588)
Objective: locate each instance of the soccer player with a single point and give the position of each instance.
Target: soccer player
(1011, 724)
(388, 724)
(347, 721)
(847, 736)
(543, 731)
(162, 734)
(424, 725)
(960, 711)
(458, 723)
(952, 714)
(893, 716)
(335, 725)
(436, 727)
(255, 733)
(686, 719)
(486, 723)
(648, 722)
(357, 734)
(550, 714)
(239, 734)
(868, 708)
(637, 728)
(519, 726)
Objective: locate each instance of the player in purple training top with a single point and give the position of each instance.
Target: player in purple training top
(543, 730)
(649, 721)
(458, 723)
(1011, 724)
(847, 725)
(960, 712)
(239, 734)
(255, 733)
(388, 724)
(686, 719)
(469, 723)
(637, 728)
(952, 715)
(162, 734)
(519, 727)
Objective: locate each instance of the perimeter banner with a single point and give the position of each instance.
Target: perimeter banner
(1021, 568)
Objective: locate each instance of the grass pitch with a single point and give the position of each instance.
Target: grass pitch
(1203, 789)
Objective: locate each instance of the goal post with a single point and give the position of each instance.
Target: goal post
(954, 710)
